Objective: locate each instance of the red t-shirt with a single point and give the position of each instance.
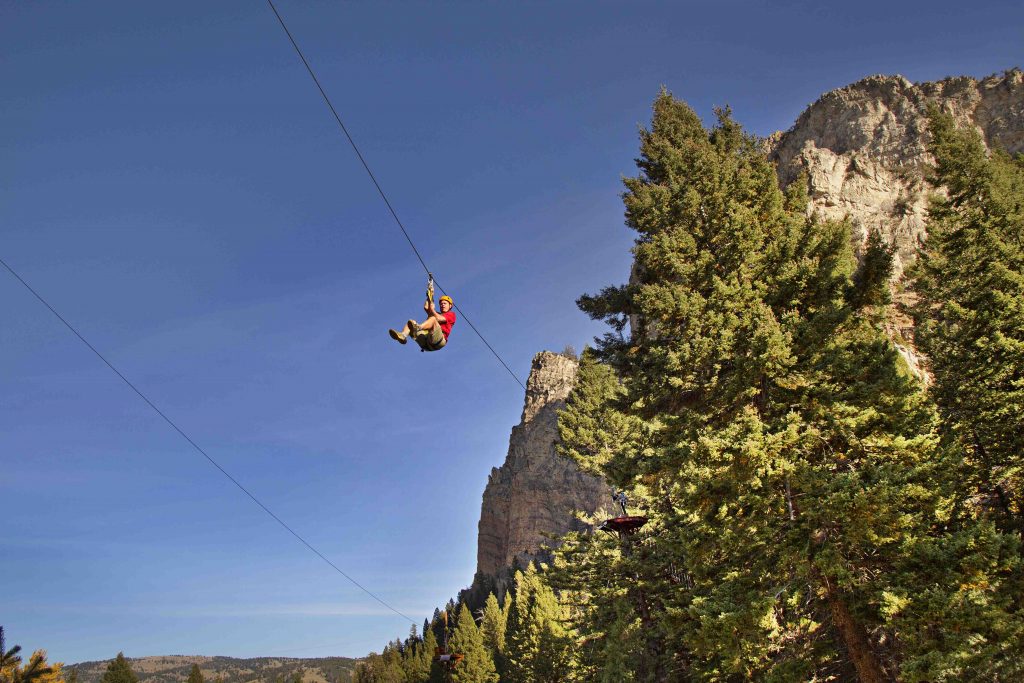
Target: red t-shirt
(449, 320)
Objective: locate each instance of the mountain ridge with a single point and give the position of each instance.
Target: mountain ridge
(173, 668)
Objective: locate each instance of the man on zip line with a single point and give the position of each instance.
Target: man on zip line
(432, 333)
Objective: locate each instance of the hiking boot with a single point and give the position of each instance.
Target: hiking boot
(414, 328)
(397, 336)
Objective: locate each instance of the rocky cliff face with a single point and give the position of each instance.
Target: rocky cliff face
(534, 493)
(863, 147)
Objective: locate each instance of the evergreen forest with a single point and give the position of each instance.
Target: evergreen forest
(815, 509)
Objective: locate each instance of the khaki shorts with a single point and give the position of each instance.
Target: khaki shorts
(431, 341)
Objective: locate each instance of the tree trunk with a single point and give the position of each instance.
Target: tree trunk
(649, 669)
(869, 669)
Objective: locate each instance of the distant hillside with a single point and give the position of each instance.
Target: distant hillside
(175, 668)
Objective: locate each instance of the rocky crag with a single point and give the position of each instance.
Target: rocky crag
(863, 150)
(534, 494)
(863, 147)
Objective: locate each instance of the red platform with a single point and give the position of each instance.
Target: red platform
(625, 524)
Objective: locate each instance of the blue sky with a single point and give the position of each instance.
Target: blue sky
(172, 183)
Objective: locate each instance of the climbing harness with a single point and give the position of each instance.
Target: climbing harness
(429, 337)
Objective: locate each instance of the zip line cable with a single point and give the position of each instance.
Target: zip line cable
(197, 447)
(189, 439)
(387, 202)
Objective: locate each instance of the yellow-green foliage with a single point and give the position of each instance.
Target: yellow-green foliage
(797, 494)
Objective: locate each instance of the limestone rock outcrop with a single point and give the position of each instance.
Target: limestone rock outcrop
(534, 493)
(863, 147)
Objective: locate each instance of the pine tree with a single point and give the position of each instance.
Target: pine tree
(390, 668)
(435, 674)
(411, 652)
(970, 318)
(383, 668)
(871, 280)
(37, 670)
(492, 629)
(602, 591)
(9, 659)
(195, 675)
(970, 324)
(519, 647)
(785, 454)
(437, 625)
(363, 672)
(421, 657)
(477, 665)
(537, 643)
(119, 671)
